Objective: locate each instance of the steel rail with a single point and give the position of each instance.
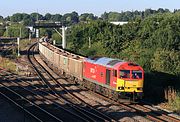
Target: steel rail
(55, 103)
(81, 110)
(31, 103)
(54, 93)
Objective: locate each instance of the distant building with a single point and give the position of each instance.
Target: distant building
(119, 23)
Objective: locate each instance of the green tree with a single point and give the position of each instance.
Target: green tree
(17, 17)
(87, 17)
(48, 16)
(166, 61)
(113, 16)
(1, 18)
(16, 30)
(57, 37)
(56, 17)
(2, 30)
(36, 16)
(104, 16)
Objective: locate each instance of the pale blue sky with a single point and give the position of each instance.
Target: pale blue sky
(97, 7)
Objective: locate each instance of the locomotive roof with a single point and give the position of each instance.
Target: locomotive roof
(110, 62)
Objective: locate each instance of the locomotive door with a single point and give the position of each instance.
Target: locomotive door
(108, 76)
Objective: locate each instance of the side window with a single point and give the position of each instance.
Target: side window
(124, 74)
(115, 73)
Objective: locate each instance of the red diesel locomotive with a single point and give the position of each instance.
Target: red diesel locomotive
(121, 78)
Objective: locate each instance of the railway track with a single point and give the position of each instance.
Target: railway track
(42, 99)
(41, 96)
(159, 115)
(151, 113)
(12, 91)
(158, 112)
(72, 102)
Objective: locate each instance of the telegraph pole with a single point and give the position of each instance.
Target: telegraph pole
(63, 37)
(89, 42)
(18, 42)
(6, 31)
(20, 31)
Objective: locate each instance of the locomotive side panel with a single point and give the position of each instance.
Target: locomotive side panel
(41, 48)
(75, 68)
(101, 74)
(59, 64)
(79, 69)
(51, 56)
(64, 63)
(94, 73)
(45, 51)
(56, 59)
(72, 67)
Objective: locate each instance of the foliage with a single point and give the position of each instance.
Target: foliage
(87, 17)
(153, 43)
(7, 64)
(1, 18)
(73, 17)
(2, 30)
(16, 30)
(57, 37)
(45, 32)
(166, 61)
(151, 39)
(131, 15)
(174, 103)
(24, 43)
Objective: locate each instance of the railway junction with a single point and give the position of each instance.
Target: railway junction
(44, 95)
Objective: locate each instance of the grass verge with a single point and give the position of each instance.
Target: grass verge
(7, 64)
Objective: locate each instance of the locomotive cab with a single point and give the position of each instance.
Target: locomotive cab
(130, 80)
(114, 78)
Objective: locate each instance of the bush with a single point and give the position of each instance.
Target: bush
(175, 103)
(7, 64)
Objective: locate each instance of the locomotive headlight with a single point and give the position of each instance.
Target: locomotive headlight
(121, 88)
(140, 89)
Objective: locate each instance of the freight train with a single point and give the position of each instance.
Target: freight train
(113, 78)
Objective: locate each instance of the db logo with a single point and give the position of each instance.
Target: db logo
(92, 70)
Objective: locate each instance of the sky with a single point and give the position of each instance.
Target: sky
(97, 7)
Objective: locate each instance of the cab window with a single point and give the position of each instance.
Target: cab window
(124, 74)
(136, 74)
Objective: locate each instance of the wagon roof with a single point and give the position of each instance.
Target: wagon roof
(109, 62)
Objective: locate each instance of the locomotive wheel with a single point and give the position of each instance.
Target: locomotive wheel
(103, 91)
(93, 87)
